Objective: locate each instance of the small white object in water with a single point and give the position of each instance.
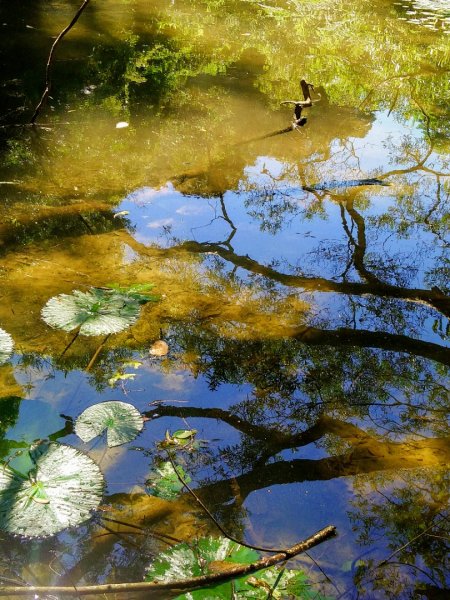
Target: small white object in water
(121, 125)
(88, 89)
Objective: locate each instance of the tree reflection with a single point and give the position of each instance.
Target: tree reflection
(411, 511)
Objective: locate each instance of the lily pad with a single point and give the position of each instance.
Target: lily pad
(121, 421)
(164, 482)
(61, 489)
(213, 555)
(6, 346)
(184, 560)
(95, 312)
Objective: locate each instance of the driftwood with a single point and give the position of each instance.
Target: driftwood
(48, 80)
(299, 105)
(186, 584)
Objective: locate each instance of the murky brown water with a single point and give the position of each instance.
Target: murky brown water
(303, 275)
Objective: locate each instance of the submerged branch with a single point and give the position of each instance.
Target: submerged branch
(186, 584)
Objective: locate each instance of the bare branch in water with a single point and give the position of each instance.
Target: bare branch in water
(48, 80)
(186, 584)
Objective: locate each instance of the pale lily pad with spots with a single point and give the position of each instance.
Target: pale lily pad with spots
(62, 489)
(121, 421)
(95, 312)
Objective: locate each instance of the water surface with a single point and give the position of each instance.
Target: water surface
(303, 275)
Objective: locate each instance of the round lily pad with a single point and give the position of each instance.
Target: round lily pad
(61, 490)
(95, 312)
(6, 346)
(121, 421)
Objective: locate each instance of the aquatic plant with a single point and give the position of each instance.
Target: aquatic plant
(164, 481)
(121, 421)
(98, 311)
(61, 488)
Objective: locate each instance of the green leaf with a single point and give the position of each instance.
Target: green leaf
(290, 584)
(180, 438)
(184, 560)
(120, 377)
(184, 434)
(139, 292)
(122, 422)
(164, 482)
(210, 555)
(61, 490)
(95, 312)
(6, 346)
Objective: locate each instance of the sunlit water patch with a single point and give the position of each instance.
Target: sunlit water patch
(432, 14)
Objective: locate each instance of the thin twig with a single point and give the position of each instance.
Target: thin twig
(277, 581)
(323, 572)
(48, 81)
(142, 530)
(408, 543)
(211, 516)
(186, 584)
(97, 352)
(77, 333)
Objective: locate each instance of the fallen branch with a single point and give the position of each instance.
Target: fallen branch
(48, 81)
(186, 584)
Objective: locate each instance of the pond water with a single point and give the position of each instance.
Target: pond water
(302, 274)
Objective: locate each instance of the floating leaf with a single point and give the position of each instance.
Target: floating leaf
(134, 364)
(62, 489)
(6, 346)
(96, 312)
(185, 560)
(184, 434)
(120, 377)
(122, 422)
(164, 482)
(139, 291)
(213, 555)
(180, 438)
